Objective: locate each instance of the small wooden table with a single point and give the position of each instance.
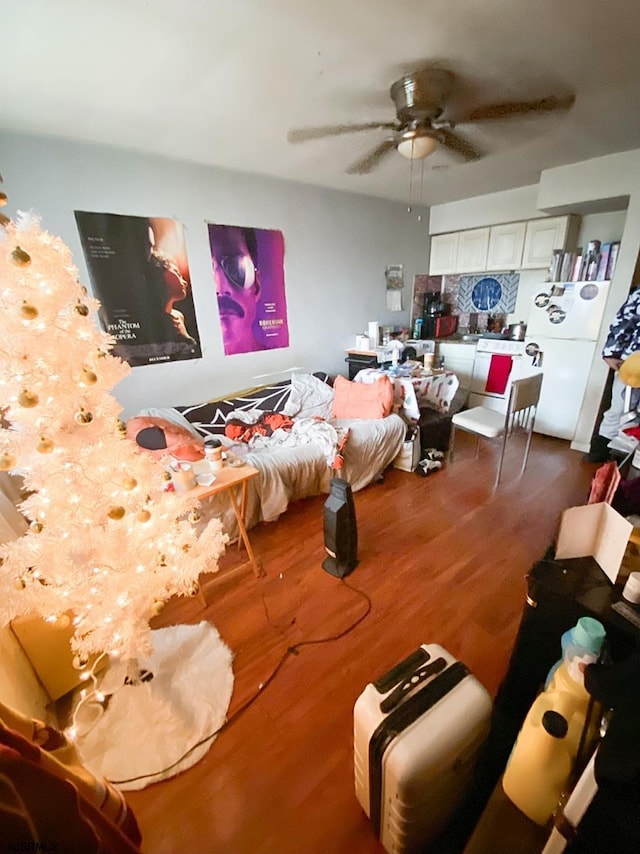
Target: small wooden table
(233, 480)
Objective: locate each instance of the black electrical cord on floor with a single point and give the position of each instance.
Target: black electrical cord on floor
(291, 650)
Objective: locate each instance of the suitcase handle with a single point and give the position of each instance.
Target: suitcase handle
(408, 665)
(396, 697)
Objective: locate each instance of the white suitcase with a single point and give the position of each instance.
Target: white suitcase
(417, 733)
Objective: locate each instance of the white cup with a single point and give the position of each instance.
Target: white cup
(183, 478)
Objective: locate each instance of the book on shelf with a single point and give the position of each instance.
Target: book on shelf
(556, 265)
(567, 266)
(576, 273)
(591, 271)
(603, 262)
(613, 257)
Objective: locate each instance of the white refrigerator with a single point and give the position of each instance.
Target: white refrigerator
(561, 340)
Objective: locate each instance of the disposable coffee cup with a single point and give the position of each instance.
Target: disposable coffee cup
(631, 591)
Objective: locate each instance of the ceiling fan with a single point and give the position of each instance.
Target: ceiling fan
(422, 123)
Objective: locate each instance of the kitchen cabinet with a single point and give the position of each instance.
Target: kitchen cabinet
(472, 250)
(459, 252)
(444, 253)
(506, 243)
(542, 236)
(510, 246)
(458, 357)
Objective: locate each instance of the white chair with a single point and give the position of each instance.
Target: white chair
(520, 415)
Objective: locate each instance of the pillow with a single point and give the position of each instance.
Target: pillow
(309, 398)
(168, 413)
(209, 418)
(161, 437)
(362, 400)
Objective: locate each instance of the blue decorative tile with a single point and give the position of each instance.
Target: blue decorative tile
(493, 293)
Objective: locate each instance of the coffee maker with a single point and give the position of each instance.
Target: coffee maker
(432, 310)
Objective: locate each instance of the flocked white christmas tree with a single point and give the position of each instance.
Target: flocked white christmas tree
(106, 544)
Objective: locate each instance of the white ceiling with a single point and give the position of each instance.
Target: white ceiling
(222, 81)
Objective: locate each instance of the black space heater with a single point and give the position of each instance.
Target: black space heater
(340, 530)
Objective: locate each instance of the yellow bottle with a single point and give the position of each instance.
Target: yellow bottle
(539, 767)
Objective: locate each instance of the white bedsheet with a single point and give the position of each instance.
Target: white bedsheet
(299, 469)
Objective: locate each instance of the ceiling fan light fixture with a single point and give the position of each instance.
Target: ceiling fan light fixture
(416, 146)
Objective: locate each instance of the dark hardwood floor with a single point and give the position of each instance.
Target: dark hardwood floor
(443, 559)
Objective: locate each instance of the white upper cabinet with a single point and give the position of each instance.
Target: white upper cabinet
(444, 254)
(544, 235)
(512, 246)
(472, 250)
(506, 243)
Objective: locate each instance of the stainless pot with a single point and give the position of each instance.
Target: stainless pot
(516, 331)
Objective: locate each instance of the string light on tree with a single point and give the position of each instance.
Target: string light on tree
(106, 543)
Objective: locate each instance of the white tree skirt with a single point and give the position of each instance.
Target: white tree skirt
(147, 728)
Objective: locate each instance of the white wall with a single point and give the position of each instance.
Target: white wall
(492, 209)
(337, 248)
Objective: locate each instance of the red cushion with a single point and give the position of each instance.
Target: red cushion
(362, 400)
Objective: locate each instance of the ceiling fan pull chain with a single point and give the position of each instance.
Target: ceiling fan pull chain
(411, 178)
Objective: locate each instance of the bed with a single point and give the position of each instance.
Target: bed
(297, 453)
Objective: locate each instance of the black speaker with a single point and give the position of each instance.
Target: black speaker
(340, 530)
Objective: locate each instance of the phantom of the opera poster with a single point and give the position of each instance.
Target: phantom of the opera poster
(139, 271)
(248, 272)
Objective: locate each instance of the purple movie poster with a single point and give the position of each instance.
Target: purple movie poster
(248, 271)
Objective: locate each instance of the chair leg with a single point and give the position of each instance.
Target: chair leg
(527, 446)
(505, 436)
(451, 441)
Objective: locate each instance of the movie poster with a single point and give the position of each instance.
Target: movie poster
(139, 271)
(248, 272)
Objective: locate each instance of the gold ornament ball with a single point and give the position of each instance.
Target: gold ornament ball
(129, 483)
(158, 607)
(7, 462)
(27, 399)
(82, 309)
(83, 417)
(20, 258)
(79, 662)
(194, 516)
(89, 377)
(63, 621)
(122, 427)
(3, 199)
(4, 220)
(36, 526)
(143, 516)
(28, 311)
(116, 512)
(45, 446)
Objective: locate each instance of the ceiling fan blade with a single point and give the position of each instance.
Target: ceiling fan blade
(458, 145)
(511, 109)
(371, 160)
(305, 134)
